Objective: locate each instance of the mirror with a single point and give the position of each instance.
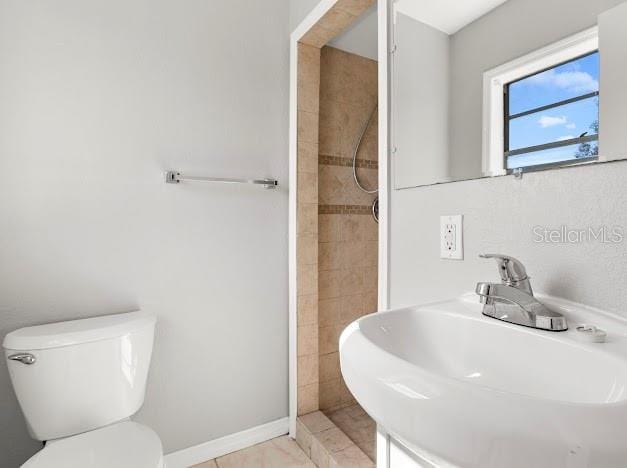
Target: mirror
(493, 87)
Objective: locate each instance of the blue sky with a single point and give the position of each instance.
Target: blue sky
(560, 123)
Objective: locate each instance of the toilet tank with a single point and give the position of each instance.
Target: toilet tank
(86, 373)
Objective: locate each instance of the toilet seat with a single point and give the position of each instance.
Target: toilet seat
(121, 445)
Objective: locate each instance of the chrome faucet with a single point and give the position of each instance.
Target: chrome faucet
(512, 300)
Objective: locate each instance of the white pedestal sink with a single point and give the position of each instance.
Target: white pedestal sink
(456, 388)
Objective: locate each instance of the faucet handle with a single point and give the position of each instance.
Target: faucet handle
(511, 270)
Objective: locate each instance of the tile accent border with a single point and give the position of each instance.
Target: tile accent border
(328, 160)
(345, 209)
(227, 444)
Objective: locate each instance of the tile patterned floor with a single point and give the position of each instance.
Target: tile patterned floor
(358, 426)
(281, 452)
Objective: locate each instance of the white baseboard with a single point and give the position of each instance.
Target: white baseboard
(227, 444)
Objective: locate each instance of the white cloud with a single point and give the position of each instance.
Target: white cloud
(565, 137)
(575, 81)
(571, 126)
(547, 121)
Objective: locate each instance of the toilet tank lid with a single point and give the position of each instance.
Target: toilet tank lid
(73, 332)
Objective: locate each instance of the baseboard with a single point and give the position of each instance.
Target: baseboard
(227, 444)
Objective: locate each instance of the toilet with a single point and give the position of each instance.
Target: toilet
(78, 383)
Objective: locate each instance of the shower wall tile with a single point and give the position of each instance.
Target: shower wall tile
(370, 279)
(307, 187)
(370, 229)
(352, 254)
(307, 157)
(352, 281)
(307, 370)
(340, 124)
(308, 398)
(330, 394)
(371, 302)
(307, 307)
(348, 78)
(351, 308)
(329, 338)
(307, 249)
(309, 86)
(330, 256)
(328, 311)
(307, 218)
(307, 127)
(307, 340)
(337, 187)
(347, 233)
(340, 128)
(336, 20)
(329, 284)
(330, 25)
(332, 180)
(330, 367)
(307, 228)
(307, 280)
(353, 228)
(354, 7)
(371, 255)
(330, 228)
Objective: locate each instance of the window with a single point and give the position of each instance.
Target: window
(552, 117)
(541, 110)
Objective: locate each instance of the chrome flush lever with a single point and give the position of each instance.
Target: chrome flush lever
(24, 358)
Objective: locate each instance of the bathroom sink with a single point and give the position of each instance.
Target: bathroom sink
(478, 392)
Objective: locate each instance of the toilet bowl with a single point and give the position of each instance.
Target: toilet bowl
(122, 445)
(78, 382)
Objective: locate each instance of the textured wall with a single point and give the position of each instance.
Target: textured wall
(499, 215)
(98, 98)
(347, 232)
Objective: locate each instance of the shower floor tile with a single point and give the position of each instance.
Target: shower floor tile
(358, 426)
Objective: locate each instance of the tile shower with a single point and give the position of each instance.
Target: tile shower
(347, 231)
(337, 245)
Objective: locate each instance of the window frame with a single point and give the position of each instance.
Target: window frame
(507, 118)
(494, 102)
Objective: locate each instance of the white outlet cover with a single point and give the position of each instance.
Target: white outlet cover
(452, 237)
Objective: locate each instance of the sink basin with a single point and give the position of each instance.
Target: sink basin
(473, 391)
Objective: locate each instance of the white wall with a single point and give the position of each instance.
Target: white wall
(420, 103)
(98, 99)
(516, 28)
(500, 213)
(360, 38)
(612, 40)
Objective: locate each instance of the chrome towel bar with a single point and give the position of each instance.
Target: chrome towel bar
(174, 177)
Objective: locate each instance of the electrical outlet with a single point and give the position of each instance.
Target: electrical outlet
(451, 237)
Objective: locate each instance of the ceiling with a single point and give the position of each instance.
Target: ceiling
(448, 16)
